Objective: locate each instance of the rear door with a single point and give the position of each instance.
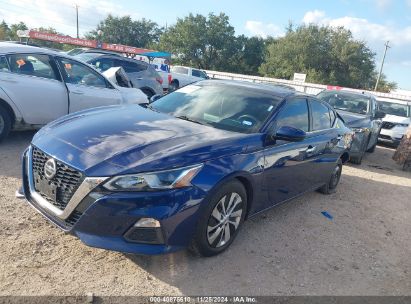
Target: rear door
(87, 88)
(33, 83)
(324, 138)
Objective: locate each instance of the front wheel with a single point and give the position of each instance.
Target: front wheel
(334, 180)
(5, 123)
(221, 220)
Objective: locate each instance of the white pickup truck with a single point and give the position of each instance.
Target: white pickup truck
(182, 76)
(38, 86)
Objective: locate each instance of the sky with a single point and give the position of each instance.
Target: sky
(374, 21)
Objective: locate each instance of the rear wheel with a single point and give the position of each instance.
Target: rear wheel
(174, 85)
(356, 160)
(5, 123)
(372, 149)
(221, 220)
(334, 180)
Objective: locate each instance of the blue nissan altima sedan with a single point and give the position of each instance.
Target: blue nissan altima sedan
(186, 171)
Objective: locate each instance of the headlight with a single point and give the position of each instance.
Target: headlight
(170, 179)
(360, 130)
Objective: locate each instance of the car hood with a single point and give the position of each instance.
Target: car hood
(353, 119)
(127, 139)
(397, 119)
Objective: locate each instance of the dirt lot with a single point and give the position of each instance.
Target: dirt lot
(291, 250)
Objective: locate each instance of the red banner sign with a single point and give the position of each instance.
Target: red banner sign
(88, 43)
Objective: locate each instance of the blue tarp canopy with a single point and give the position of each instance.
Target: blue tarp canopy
(157, 54)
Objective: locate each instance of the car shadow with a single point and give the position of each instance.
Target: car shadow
(11, 149)
(293, 249)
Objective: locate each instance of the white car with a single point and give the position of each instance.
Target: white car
(395, 122)
(182, 76)
(38, 86)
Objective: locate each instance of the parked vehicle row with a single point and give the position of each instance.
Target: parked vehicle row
(186, 171)
(361, 114)
(38, 86)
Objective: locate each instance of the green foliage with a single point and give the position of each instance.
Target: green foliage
(327, 55)
(124, 30)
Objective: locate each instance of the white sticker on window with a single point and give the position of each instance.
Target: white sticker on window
(189, 89)
(247, 123)
(270, 108)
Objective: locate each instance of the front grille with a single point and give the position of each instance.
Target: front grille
(66, 180)
(387, 125)
(385, 136)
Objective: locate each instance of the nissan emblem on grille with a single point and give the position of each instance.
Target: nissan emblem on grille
(50, 168)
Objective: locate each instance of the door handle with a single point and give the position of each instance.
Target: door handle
(310, 149)
(77, 92)
(139, 78)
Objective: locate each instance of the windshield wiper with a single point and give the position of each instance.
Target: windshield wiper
(189, 119)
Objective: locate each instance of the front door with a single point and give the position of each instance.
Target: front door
(33, 83)
(87, 88)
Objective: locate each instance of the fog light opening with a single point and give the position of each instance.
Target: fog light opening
(147, 222)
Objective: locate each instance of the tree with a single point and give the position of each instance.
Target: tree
(199, 41)
(327, 55)
(247, 55)
(124, 30)
(14, 28)
(4, 30)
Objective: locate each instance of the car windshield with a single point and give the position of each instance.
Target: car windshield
(86, 57)
(227, 107)
(393, 109)
(354, 103)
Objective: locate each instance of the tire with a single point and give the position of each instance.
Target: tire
(335, 177)
(174, 85)
(372, 149)
(211, 234)
(5, 123)
(356, 160)
(149, 93)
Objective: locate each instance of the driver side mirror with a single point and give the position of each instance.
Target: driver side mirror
(379, 115)
(155, 97)
(289, 134)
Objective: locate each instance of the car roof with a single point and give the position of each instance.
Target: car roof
(120, 58)
(7, 48)
(279, 91)
(347, 92)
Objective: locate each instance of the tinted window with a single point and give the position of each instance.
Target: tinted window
(132, 67)
(320, 115)
(77, 73)
(228, 107)
(3, 64)
(198, 73)
(393, 108)
(33, 65)
(294, 114)
(103, 64)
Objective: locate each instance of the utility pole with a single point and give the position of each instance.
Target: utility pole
(387, 46)
(76, 7)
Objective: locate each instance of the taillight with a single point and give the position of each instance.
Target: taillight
(169, 78)
(159, 80)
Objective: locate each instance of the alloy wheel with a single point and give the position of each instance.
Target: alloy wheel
(224, 220)
(335, 177)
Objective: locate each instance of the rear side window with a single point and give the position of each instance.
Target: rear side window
(4, 67)
(32, 65)
(320, 116)
(294, 114)
(132, 67)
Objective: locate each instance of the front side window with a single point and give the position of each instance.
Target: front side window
(294, 114)
(345, 101)
(198, 73)
(320, 116)
(77, 73)
(228, 107)
(4, 67)
(31, 64)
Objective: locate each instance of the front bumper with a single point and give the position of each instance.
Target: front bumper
(391, 136)
(104, 219)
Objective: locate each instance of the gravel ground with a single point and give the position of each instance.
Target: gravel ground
(290, 250)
